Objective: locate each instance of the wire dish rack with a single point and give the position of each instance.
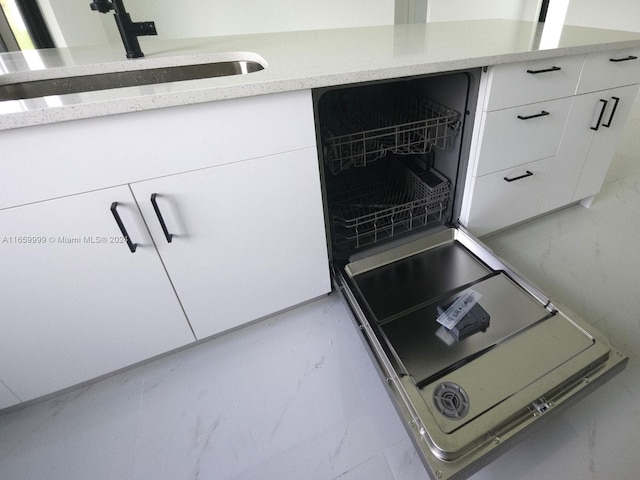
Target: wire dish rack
(365, 129)
(384, 200)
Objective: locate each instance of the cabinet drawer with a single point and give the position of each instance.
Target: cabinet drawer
(507, 197)
(529, 82)
(59, 159)
(519, 135)
(610, 69)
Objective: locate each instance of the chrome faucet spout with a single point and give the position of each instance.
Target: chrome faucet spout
(129, 30)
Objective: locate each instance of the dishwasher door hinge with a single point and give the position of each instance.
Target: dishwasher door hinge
(540, 406)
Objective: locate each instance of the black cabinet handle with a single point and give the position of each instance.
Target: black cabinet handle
(528, 174)
(544, 70)
(123, 230)
(613, 112)
(604, 107)
(167, 235)
(626, 59)
(536, 115)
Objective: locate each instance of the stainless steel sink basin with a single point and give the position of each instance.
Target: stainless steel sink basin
(105, 81)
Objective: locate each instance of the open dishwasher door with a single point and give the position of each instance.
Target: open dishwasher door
(474, 355)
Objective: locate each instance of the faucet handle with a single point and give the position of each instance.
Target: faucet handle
(144, 28)
(102, 6)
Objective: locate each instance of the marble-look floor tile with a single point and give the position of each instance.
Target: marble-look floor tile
(292, 397)
(7, 398)
(404, 461)
(374, 468)
(88, 433)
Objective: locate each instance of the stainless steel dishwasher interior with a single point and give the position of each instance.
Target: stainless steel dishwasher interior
(394, 159)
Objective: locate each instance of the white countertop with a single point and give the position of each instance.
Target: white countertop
(295, 60)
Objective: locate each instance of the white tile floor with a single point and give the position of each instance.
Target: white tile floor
(296, 396)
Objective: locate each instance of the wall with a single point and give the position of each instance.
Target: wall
(450, 10)
(73, 23)
(614, 14)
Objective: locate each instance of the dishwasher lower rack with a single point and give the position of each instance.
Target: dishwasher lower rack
(369, 127)
(384, 200)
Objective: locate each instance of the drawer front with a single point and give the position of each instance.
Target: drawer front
(507, 197)
(519, 135)
(50, 161)
(530, 82)
(610, 69)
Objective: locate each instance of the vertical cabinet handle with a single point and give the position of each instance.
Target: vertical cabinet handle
(123, 230)
(613, 112)
(544, 70)
(625, 59)
(167, 235)
(604, 107)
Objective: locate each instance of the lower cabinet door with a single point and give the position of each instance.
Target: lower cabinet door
(507, 197)
(605, 141)
(76, 302)
(591, 136)
(240, 241)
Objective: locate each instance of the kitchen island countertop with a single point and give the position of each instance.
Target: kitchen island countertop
(295, 60)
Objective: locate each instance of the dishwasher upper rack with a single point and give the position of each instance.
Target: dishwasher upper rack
(384, 200)
(367, 129)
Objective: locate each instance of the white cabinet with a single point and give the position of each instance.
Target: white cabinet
(516, 139)
(605, 140)
(590, 139)
(570, 137)
(237, 183)
(522, 83)
(509, 196)
(77, 303)
(521, 134)
(247, 239)
(604, 70)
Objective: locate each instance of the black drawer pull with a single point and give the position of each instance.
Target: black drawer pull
(528, 174)
(604, 107)
(123, 230)
(529, 117)
(167, 235)
(544, 70)
(630, 57)
(613, 112)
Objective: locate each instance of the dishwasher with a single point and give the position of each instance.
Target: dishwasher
(473, 355)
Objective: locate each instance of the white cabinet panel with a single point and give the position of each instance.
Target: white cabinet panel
(506, 197)
(76, 302)
(247, 239)
(589, 142)
(530, 82)
(605, 141)
(604, 70)
(521, 134)
(94, 153)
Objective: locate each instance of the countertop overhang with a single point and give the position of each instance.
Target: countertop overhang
(295, 61)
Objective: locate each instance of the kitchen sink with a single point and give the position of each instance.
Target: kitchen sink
(131, 78)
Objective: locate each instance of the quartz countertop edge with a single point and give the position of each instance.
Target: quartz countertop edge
(295, 61)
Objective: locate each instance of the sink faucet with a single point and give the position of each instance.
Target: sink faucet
(129, 31)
